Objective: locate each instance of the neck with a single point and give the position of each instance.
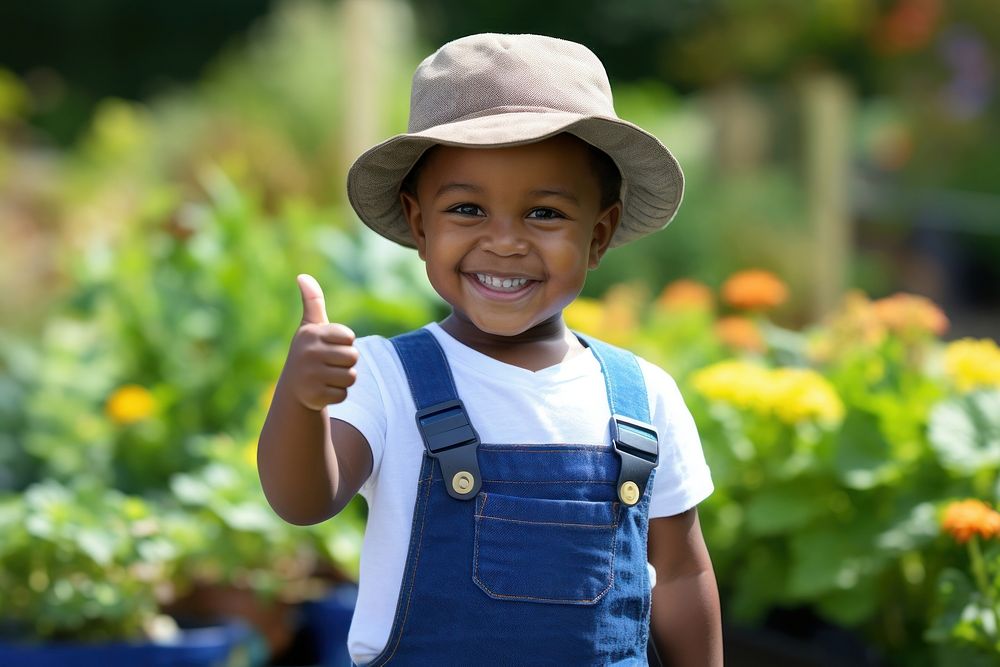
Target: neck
(543, 345)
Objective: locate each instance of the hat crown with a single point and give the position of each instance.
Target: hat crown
(495, 73)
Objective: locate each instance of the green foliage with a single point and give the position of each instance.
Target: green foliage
(129, 417)
(831, 450)
(86, 562)
(968, 609)
(153, 381)
(965, 432)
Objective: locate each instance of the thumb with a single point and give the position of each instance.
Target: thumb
(313, 303)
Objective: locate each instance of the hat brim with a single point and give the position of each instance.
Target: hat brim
(652, 181)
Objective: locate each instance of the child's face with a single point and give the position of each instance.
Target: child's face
(508, 234)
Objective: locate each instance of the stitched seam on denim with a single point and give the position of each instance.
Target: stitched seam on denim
(563, 446)
(405, 342)
(406, 368)
(614, 553)
(537, 451)
(612, 404)
(553, 481)
(583, 446)
(647, 598)
(447, 366)
(444, 357)
(547, 523)
(489, 591)
(475, 554)
(413, 577)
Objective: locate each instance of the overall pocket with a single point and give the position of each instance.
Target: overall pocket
(550, 551)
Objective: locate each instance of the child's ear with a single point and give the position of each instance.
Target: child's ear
(604, 230)
(411, 210)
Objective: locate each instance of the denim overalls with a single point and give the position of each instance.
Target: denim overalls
(525, 554)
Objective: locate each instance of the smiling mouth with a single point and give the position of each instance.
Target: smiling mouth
(501, 284)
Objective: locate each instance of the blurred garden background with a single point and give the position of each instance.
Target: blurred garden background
(828, 298)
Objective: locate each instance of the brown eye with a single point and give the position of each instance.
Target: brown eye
(466, 209)
(545, 214)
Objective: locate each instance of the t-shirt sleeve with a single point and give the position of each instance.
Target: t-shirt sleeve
(683, 479)
(364, 408)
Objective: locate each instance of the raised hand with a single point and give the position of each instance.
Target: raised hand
(321, 358)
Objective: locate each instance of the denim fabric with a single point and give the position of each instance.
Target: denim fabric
(543, 567)
(536, 550)
(623, 379)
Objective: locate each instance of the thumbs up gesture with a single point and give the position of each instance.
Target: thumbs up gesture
(321, 359)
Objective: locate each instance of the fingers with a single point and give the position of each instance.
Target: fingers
(329, 344)
(339, 356)
(339, 377)
(320, 384)
(321, 398)
(338, 334)
(335, 390)
(313, 302)
(335, 395)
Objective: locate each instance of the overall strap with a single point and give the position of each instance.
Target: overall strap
(632, 435)
(442, 420)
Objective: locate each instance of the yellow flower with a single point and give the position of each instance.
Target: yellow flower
(754, 289)
(972, 363)
(802, 394)
(792, 395)
(685, 294)
(585, 315)
(965, 518)
(129, 404)
(613, 319)
(739, 383)
(739, 333)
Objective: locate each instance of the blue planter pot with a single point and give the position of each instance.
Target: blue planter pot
(326, 623)
(229, 645)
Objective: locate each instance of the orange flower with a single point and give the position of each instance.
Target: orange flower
(129, 404)
(910, 313)
(754, 289)
(685, 294)
(965, 518)
(739, 333)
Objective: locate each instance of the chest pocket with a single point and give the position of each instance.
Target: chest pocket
(544, 551)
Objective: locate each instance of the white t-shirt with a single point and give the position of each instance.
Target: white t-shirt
(562, 403)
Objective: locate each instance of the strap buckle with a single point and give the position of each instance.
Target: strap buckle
(450, 438)
(637, 445)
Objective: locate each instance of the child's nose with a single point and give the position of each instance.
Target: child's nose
(505, 235)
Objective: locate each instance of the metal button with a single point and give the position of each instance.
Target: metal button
(629, 493)
(462, 481)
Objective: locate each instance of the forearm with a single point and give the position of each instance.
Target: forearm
(686, 620)
(296, 461)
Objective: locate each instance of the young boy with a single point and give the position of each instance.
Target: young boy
(518, 477)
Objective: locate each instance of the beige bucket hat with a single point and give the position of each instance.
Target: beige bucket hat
(492, 90)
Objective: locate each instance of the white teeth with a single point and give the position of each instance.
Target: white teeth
(508, 284)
